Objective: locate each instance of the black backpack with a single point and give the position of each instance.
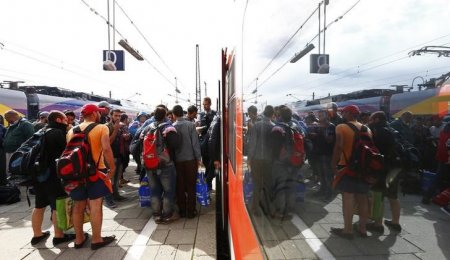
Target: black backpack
(9, 194)
(26, 163)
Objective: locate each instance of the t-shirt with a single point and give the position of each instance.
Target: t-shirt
(348, 136)
(95, 140)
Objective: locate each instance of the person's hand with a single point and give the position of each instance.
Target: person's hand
(116, 125)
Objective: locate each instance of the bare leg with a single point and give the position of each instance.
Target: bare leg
(395, 209)
(96, 219)
(347, 208)
(78, 216)
(363, 204)
(58, 232)
(37, 218)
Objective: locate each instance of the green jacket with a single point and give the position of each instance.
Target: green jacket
(17, 134)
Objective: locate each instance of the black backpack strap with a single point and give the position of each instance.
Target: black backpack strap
(86, 132)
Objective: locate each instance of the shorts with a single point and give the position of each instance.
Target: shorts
(352, 185)
(391, 192)
(46, 194)
(90, 190)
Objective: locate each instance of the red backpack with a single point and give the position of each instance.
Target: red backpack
(293, 150)
(155, 152)
(366, 161)
(76, 162)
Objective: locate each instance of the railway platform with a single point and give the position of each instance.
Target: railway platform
(137, 235)
(425, 233)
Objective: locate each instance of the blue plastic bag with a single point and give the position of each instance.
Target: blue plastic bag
(300, 190)
(248, 187)
(144, 193)
(201, 189)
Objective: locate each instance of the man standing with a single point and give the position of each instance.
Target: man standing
(192, 114)
(260, 159)
(42, 121)
(106, 110)
(325, 144)
(351, 187)
(97, 186)
(403, 126)
(115, 136)
(18, 132)
(47, 185)
(205, 118)
(335, 118)
(188, 159)
(162, 180)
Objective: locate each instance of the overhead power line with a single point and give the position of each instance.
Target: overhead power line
(146, 40)
(326, 27)
(121, 35)
(284, 46)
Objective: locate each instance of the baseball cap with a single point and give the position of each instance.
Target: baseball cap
(104, 104)
(43, 114)
(91, 108)
(352, 109)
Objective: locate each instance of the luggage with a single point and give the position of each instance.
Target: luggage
(443, 198)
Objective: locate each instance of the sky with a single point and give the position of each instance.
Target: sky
(60, 43)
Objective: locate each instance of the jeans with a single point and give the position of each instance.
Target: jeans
(325, 174)
(115, 180)
(260, 171)
(162, 184)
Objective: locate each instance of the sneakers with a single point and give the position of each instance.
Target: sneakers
(110, 204)
(390, 225)
(446, 210)
(36, 240)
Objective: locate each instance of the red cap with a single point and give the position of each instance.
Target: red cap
(352, 109)
(91, 108)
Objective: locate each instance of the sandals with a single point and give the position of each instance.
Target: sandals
(36, 240)
(106, 241)
(340, 233)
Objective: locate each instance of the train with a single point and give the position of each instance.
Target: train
(242, 234)
(432, 101)
(28, 102)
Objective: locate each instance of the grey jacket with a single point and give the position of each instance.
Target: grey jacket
(190, 146)
(260, 146)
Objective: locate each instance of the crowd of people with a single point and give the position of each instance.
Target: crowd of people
(276, 144)
(407, 144)
(191, 140)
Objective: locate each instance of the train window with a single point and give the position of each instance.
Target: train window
(231, 116)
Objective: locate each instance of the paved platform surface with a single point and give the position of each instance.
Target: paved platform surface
(425, 234)
(138, 236)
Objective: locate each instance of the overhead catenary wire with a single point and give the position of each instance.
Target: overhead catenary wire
(151, 46)
(283, 47)
(121, 35)
(325, 28)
